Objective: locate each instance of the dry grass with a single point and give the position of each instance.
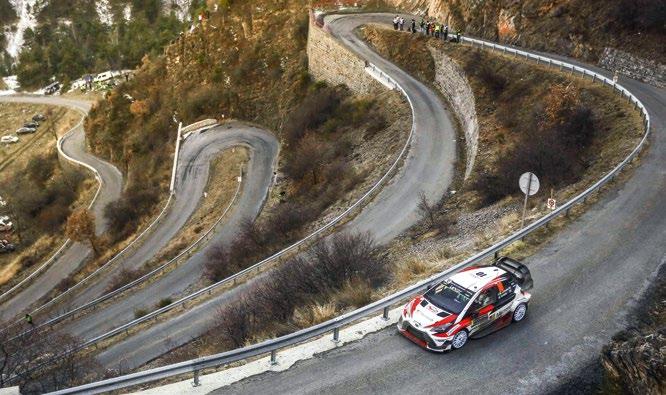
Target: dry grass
(221, 187)
(220, 190)
(311, 315)
(33, 249)
(354, 293)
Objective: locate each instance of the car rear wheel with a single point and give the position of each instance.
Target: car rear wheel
(459, 340)
(520, 312)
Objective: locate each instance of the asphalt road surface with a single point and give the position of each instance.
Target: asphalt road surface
(197, 153)
(586, 279)
(76, 254)
(429, 168)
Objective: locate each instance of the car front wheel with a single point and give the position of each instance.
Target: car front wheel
(459, 340)
(520, 312)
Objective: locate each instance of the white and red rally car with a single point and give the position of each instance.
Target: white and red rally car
(472, 303)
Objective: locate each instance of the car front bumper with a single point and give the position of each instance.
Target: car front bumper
(422, 338)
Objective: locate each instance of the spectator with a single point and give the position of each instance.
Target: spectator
(413, 26)
(446, 32)
(458, 36)
(422, 26)
(402, 24)
(437, 30)
(28, 319)
(396, 21)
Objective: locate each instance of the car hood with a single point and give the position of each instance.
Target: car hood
(427, 315)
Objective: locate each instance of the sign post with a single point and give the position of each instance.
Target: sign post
(529, 184)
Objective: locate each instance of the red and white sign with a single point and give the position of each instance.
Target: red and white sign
(551, 204)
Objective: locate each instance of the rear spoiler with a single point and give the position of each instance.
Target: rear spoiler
(517, 270)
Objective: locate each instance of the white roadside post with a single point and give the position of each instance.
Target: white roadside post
(529, 184)
(175, 160)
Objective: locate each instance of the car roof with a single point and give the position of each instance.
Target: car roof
(475, 278)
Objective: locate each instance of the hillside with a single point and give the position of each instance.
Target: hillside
(91, 36)
(577, 28)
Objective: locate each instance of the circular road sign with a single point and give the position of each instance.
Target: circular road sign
(529, 183)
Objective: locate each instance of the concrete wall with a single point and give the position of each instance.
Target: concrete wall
(333, 63)
(451, 81)
(634, 67)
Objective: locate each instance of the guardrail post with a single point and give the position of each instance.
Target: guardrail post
(196, 382)
(385, 313)
(336, 335)
(496, 256)
(274, 357)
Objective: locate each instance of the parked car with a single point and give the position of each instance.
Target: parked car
(472, 303)
(52, 89)
(9, 139)
(25, 130)
(6, 246)
(38, 118)
(31, 124)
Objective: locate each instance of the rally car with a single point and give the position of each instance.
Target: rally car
(472, 303)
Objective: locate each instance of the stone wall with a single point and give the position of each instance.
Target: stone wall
(333, 63)
(634, 67)
(451, 81)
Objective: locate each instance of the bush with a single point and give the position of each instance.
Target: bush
(164, 302)
(315, 109)
(123, 214)
(347, 266)
(138, 313)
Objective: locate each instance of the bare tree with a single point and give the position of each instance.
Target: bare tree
(40, 361)
(427, 210)
(81, 227)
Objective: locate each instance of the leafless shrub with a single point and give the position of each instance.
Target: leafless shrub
(39, 361)
(351, 263)
(124, 277)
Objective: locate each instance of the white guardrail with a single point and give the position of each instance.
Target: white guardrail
(67, 242)
(333, 326)
(52, 321)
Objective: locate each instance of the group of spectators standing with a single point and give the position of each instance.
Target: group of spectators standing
(428, 28)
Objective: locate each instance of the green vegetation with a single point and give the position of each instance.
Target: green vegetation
(233, 66)
(7, 13)
(71, 40)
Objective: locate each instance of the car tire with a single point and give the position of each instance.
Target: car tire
(519, 313)
(459, 340)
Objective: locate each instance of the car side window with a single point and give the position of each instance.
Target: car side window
(486, 298)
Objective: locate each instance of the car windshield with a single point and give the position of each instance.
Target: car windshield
(449, 296)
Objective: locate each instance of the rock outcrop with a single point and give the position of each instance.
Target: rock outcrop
(636, 364)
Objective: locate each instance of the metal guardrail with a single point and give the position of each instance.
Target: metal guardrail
(67, 242)
(109, 295)
(231, 279)
(273, 345)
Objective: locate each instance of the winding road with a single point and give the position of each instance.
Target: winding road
(586, 280)
(73, 145)
(429, 167)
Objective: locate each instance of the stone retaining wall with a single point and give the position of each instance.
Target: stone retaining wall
(451, 81)
(634, 67)
(333, 63)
